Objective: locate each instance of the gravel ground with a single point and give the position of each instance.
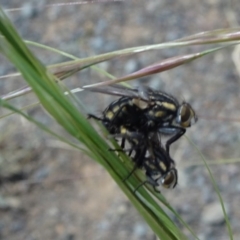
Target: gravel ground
(49, 191)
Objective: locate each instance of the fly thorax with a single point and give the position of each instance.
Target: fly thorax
(159, 114)
(109, 115)
(169, 106)
(123, 130)
(116, 108)
(162, 166)
(135, 141)
(140, 103)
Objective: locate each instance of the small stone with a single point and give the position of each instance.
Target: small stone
(28, 10)
(9, 203)
(122, 209)
(104, 65)
(131, 66)
(41, 173)
(157, 83)
(213, 214)
(69, 236)
(97, 43)
(184, 178)
(103, 225)
(53, 212)
(17, 226)
(140, 230)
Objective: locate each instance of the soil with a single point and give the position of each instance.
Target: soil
(50, 191)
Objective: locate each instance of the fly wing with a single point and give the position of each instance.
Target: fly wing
(117, 90)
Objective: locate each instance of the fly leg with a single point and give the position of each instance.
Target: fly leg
(176, 131)
(94, 117)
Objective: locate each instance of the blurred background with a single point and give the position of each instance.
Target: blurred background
(51, 191)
